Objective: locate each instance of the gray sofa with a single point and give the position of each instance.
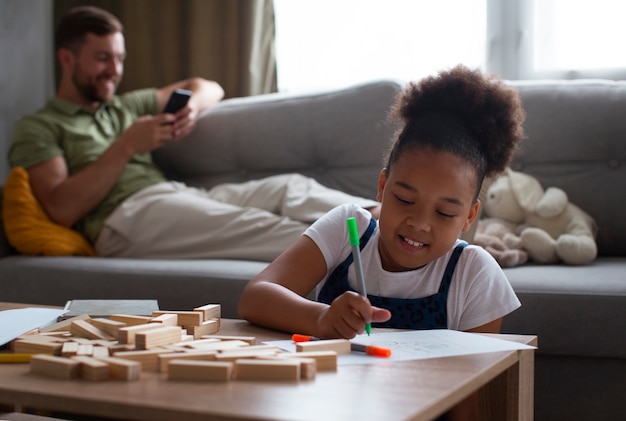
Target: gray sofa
(577, 139)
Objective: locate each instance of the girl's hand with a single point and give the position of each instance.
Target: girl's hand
(347, 316)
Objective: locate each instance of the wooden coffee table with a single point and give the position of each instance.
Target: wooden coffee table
(416, 390)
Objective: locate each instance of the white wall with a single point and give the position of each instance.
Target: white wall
(26, 64)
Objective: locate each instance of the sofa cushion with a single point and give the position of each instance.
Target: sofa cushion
(29, 229)
(176, 284)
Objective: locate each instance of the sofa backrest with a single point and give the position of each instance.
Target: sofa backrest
(338, 137)
(577, 141)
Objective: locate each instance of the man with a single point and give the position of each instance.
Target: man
(87, 154)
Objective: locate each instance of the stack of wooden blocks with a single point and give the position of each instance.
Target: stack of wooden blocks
(183, 345)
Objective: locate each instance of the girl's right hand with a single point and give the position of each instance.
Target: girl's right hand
(347, 316)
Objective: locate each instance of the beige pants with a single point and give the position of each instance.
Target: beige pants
(256, 220)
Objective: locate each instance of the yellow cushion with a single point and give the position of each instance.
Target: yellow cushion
(28, 227)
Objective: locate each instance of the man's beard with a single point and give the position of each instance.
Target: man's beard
(88, 90)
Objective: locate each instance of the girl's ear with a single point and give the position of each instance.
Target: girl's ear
(473, 213)
(382, 180)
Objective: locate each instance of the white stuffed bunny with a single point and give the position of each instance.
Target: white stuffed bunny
(547, 226)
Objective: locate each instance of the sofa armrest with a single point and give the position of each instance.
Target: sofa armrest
(338, 137)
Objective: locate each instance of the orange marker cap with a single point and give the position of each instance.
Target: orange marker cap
(296, 337)
(378, 351)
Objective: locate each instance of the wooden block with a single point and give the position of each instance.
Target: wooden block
(206, 328)
(122, 369)
(185, 318)
(92, 368)
(84, 329)
(258, 369)
(48, 365)
(210, 311)
(84, 350)
(60, 334)
(164, 359)
(63, 325)
(148, 358)
(219, 345)
(102, 342)
(251, 340)
(247, 354)
(84, 341)
(308, 366)
(126, 335)
(100, 351)
(325, 360)
(44, 339)
(69, 349)
(250, 350)
(212, 371)
(340, 346)
(111, 327)
(131, 320)
(24, 346)
(157, 337)
(195, 343)
(121, 348)
(184, 339)
(166, 319)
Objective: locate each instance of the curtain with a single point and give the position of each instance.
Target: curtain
(228, 41)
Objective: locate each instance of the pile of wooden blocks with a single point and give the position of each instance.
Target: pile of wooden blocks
(183, 345)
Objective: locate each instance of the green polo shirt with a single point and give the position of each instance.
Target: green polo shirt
(80, 136)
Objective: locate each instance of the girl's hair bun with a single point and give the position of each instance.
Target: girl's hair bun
(464, 112)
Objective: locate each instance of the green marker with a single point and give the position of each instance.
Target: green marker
(353, 233)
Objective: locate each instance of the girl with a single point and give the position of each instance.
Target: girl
(458, 128)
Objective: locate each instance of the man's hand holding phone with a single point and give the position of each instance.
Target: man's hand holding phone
(183, 123)
(178, 99)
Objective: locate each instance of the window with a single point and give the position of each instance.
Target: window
(324, 44)
(572, 38)
(335, 43)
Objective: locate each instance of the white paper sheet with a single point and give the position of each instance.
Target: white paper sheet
(420, 344)
(16, 322)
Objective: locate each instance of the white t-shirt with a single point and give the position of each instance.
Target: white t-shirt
(479, 292)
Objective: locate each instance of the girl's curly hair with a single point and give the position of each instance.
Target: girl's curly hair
(460, 111)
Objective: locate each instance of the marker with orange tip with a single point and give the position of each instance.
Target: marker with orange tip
(375, 351)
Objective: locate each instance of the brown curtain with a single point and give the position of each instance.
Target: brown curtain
(229, 41)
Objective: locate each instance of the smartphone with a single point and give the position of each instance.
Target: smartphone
(178, 100)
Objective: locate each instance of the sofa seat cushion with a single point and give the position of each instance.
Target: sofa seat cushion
(176, 284)
(574, 310)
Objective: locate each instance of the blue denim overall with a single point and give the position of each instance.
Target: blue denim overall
(406, 313)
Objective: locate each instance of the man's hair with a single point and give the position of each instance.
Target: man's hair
(77, 22)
